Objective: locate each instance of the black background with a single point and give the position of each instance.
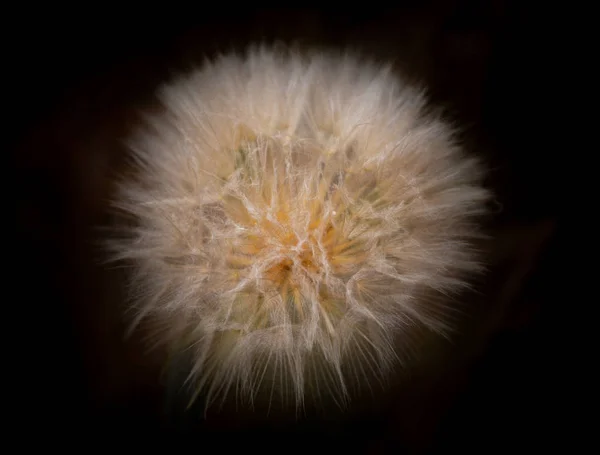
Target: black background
(69, 69)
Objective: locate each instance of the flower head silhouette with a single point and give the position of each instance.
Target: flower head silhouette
(294, 216)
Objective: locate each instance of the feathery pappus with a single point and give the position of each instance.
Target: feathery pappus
(294, 217)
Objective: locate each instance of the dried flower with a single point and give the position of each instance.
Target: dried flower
(294, 217)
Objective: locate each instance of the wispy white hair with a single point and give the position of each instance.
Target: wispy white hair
(298, 218)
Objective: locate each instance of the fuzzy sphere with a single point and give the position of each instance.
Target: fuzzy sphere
(297, 219)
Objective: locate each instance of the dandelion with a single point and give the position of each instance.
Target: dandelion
(297, 219)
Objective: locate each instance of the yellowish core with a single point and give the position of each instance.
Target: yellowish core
(338, 253)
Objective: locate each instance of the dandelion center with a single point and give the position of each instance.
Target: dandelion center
(290, 252)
